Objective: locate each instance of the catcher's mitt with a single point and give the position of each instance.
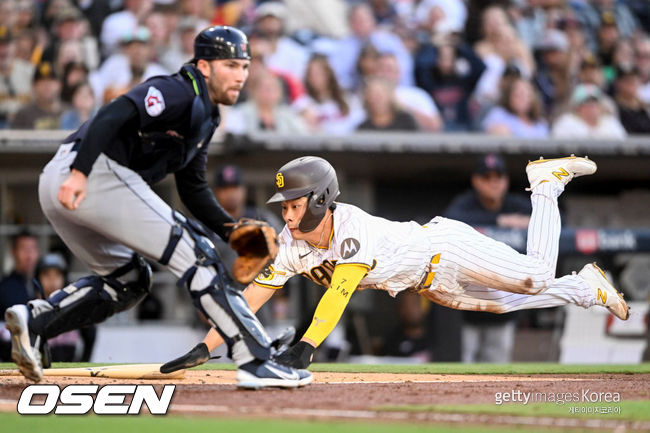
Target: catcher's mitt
(256, 244)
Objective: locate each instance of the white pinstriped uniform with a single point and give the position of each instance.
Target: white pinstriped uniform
(474, 272)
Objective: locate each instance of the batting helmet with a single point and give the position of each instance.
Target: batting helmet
(311, 177)
(221, 42)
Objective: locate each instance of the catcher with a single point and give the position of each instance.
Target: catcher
(345, 249)
(96, 192)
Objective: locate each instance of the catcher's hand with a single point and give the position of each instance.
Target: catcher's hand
(297, 356)
(256, 244)
(197, 356)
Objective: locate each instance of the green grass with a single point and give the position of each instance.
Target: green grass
(638, 410)
(439, 368)
(175, 424)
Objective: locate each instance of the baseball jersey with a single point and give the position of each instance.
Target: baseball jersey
(395, 253)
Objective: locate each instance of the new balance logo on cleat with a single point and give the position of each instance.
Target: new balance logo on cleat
(559, 174)
(602, 296)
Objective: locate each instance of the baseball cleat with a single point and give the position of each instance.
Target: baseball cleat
(558, 169)
(23, 353)
(606, 295)
(264, 374)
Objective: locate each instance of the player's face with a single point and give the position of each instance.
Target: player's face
(226, 79)
(292, 213)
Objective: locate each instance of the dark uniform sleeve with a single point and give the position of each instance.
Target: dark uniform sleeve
(155, 101)
(102, 131)
(198, 198)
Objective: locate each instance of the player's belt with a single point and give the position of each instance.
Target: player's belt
(428, 279)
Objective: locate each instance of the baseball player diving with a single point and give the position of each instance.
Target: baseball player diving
(343, 248)
(96, 193)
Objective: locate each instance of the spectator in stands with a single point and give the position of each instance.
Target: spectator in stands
(489, 337)
(24, 15)
(264, 111)
(594, 13)
(519, 113)
(285, 55)
(642, 55)
(411, 338)
(590, 72)
(332, 109)
(364, 30)
(73, 74)
(230, 191)
(125, 69)
(367, 65)
(554, 70)
(632, 112)
(202, 10)
(118, 24)
(44, 112)
(449, 73)
(441, 16)
(73, 346)
(160, 33)
(607, 37)
(70, 29)
(501, 46)
(15, 78)
(83, 106)
(17, 287)
(412, 99)
(382, 110)
(588, 118)
(177, 55)
(623, 57)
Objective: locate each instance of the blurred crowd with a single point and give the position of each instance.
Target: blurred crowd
(522, 68)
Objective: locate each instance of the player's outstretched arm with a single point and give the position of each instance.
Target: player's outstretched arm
(255, 295)
(345, 279)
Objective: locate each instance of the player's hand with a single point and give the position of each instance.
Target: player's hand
(297, 356)
(73, 190)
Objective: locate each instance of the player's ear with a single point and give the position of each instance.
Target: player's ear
(204, 67)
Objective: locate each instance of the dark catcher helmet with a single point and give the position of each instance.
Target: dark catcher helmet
(221, 42)
(311, 177)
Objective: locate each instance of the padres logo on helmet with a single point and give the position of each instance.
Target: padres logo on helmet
(311, 177)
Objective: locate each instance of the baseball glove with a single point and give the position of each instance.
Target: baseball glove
(256, 244)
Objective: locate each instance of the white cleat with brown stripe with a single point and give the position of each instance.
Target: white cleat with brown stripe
(606, 295)
(558, 169)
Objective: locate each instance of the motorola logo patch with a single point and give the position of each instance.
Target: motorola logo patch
(349, 247)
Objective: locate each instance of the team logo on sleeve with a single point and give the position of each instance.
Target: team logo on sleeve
(349, 247)
(269, 273)
(154, 103)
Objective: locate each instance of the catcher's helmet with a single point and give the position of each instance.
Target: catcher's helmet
(311, 177)
(221, 42)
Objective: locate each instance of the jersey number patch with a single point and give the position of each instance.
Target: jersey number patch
(154, 102)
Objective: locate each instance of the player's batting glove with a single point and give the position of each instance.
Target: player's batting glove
(297, 356)
(197, 356)
(256, 244)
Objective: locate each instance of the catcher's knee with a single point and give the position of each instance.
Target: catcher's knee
(205, 252)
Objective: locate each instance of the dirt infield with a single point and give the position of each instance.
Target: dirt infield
(359, 395)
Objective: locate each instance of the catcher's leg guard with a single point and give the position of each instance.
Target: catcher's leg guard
(223, 305)
(91, 299)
